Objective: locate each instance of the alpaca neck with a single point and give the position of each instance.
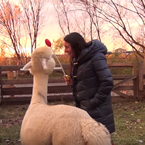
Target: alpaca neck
(39, 94)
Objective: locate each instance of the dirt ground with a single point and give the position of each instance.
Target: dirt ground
(129, 119)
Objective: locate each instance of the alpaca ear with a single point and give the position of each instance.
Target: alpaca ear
(26, 66)
(44, 63)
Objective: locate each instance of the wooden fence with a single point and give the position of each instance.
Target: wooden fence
(18, 89)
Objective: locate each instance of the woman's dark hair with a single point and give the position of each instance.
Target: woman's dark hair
(77, 43)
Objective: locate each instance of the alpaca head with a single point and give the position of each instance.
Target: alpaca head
(41, 61)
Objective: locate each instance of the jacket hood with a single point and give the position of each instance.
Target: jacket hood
(89, 52)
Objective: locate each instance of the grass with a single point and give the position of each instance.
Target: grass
(129, 121)
(10, 123)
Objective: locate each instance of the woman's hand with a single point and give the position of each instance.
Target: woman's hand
(68, 80)
(86, 105)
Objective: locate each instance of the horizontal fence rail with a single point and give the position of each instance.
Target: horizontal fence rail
(19, 89)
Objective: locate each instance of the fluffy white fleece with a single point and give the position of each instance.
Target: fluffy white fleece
(56, 124)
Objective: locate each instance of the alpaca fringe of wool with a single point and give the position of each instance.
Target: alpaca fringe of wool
(45, 124)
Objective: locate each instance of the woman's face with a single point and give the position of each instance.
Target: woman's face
(68, 49)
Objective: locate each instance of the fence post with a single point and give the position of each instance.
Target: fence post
(141, 81)
(135, 82)
(1, 96)
(10, 76)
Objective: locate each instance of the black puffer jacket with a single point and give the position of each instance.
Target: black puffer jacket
(92, 84)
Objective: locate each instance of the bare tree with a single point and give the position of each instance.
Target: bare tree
(62, 10)
(126, 17)
(78, 16)
(33, 19)
(19, 21)
(10, 28)
(95, 21)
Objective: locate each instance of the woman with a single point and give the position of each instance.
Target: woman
(90, 78)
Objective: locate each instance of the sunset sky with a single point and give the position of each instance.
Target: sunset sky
(52, 32)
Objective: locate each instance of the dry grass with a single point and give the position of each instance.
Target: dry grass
(129, 120)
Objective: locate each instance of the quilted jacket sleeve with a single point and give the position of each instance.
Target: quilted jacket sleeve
(106, 81)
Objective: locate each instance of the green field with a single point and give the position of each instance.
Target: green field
(129, 120)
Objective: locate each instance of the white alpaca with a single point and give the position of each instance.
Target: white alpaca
(56, 124)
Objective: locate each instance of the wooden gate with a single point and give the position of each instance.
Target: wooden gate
(123, 83)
